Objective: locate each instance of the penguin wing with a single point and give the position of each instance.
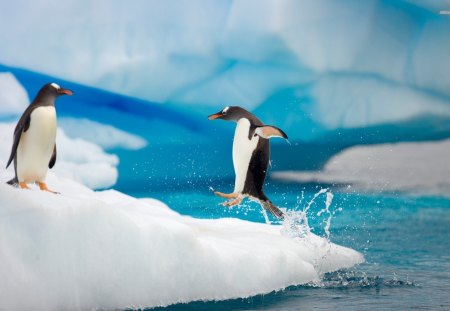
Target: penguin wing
(53, 158)
(22, 126)
(269, 131)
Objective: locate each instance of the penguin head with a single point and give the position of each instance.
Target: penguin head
(57, 90)
(230, 113)
(50, 91)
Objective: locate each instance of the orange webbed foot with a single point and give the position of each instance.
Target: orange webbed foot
(234, 202)
(226, 195)
(43, 187)
(23, 185)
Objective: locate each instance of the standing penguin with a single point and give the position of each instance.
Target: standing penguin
(251, 155)
(34, 146)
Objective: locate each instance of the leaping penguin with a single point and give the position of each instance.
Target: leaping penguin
(251, 155)
(34, 147)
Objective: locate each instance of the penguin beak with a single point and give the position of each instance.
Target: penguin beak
(215, 116)
(65, 92)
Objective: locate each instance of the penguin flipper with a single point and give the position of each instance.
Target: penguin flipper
(269, 131)
(275, 211)
(22, 126)
(53, 158)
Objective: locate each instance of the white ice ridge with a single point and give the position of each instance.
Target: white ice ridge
(414, 167)
(105, 250)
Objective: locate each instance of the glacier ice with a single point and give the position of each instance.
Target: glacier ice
(380, 54)
(106, 250)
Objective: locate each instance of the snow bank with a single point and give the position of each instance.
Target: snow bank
(105, 250)
(77, 159)
(416, 167)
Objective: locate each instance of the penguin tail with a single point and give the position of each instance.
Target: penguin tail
(274, 210)
(13, 182)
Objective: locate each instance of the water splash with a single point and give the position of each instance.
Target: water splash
(266, 218)
(295, 224)
(321, 191)
(328, 201)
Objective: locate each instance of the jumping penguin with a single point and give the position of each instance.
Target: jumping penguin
(251, 156)
(34, 146)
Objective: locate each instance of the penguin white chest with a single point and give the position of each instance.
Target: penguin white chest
(36, 145)
(243, 148)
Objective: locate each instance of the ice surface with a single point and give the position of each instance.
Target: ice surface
(105, 250)
(414, 167)
(77, 159)
(348, 65)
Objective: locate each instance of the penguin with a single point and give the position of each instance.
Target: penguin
(34, 144)
(251, 156)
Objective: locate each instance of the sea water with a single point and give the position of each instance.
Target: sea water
(404, 238)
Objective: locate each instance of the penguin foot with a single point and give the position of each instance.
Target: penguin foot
(234, 202)
(43, 187)
(23, 185)
(226, 195)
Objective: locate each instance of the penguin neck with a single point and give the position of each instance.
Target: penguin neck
(243, 128)
(48, 101)
(242, 123)
(250, 118)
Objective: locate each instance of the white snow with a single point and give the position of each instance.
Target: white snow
(13, 97)
(104, 135)
(421, 168)
(104, 250)
(354, 64)
(77, 159)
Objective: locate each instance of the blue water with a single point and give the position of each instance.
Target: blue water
(404, 238)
